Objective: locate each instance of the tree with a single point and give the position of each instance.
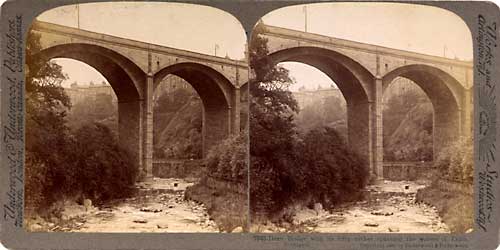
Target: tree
(272, 130)
(286, 167)
(47, 135)
(331, 171)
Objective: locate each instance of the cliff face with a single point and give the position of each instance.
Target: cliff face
(412, 138)
(178, 133)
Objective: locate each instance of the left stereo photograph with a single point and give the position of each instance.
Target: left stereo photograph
(136, 119)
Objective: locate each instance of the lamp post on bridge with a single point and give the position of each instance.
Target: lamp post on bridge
(216, 47)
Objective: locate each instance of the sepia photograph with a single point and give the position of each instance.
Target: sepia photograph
(361, 120)
(215, 124)
(136, 119)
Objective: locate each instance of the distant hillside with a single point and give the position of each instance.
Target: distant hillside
(92, 103)
(178, 125)
(408, 122)
(324, 107)
(412, 138)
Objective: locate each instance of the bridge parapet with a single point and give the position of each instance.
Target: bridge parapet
(378, 60)
(141, 52)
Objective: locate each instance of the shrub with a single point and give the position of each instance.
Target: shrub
(89, 164)
(229, 159)
(455, 162)
(104, 168)
(332, 172)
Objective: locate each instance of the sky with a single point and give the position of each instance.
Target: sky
(417, 28)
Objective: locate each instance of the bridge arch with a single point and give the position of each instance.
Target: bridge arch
(446, 95)
(353, 80)
(216, 93)
(124, 77)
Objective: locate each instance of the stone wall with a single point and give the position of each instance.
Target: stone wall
(228, 185)
(178, 168)
(408, 171)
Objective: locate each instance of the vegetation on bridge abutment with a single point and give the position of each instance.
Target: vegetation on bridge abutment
(61, 163)
(223, 188)
(451, 189)
(288, 168)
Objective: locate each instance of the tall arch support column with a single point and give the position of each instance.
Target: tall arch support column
(358, 129)
(376, 120)
(235, 112)
(467, 114)
(148, 128)
(130, 130)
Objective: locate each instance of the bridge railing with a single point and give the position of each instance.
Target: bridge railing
(408, 170)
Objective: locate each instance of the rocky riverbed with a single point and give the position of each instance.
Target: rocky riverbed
(388, 207)
(158, 206)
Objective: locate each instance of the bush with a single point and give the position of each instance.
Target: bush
(89, 164)
(319, 169)
(229, 159)
(455, 162)
(104, 168)
(332, 172)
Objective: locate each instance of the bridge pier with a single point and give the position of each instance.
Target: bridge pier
(148, 128)
(235, 112)
(216, 126)
(358, 130)
(376, 119)
(466, 114)
(446, 129)
(130, 130)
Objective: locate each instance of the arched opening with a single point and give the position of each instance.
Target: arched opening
(177, 120)
(446, 96)
(352, 80)
(320, 101)
(124, 78)
(407, 123)
(92, 98)
(214, 90)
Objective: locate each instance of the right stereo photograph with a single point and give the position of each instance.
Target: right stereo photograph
(361, 120)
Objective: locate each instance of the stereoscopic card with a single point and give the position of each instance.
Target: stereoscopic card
(249, 124)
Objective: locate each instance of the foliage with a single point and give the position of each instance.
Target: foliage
(286, 168)
(228, 160)
(103, 167)
(331, 172)
(60, 163)
(272, 131)
(455, 162)
(47, 135)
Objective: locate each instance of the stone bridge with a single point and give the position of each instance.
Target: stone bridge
(134, 69)
(363, 72)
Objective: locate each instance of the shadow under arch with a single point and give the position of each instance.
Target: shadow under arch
(124, 77)
(353, 80)
(216, 93)
(447, 96)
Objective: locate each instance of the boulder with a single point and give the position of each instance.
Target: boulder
(237, 230)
